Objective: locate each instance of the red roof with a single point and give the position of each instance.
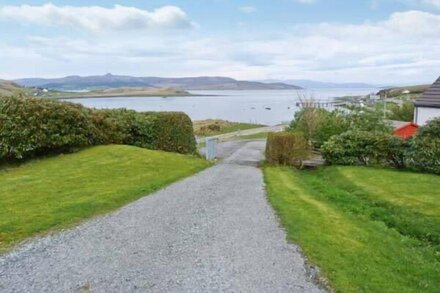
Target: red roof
(406, 131)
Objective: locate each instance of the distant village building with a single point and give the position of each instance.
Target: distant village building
(427, 107)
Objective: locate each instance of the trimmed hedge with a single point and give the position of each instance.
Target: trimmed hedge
(172, 132)
(287, 149)
(31, 127)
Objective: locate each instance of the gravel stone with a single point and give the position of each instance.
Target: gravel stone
(212, 232)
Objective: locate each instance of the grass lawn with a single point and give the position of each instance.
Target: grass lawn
(369, 230)
(214, 127)
(57, 192)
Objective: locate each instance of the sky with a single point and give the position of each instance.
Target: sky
(374, 41)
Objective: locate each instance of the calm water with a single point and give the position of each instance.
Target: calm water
(264, 107)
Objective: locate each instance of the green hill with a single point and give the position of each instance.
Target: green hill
(411, 91)
(8, 88)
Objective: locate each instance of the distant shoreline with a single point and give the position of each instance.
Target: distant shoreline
(128, 96)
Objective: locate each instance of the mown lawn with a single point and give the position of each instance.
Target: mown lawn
(57, 192)
(369, 230)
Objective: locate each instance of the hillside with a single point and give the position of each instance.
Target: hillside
(414, 91)
(312, 84)
(116, 81)
(8, 88)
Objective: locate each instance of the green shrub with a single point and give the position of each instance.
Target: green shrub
(350, 148)
(424, 154)
(366, 148)
(366, 119)
(173, 132)
(287, 149)
(319, 125)
(404, 112)
(391, 150)
(31, 127)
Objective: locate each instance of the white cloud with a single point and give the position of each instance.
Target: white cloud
(247, 9)
(96, 18)
(404, 48)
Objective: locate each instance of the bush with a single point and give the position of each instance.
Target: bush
(424, 154)
(319, 125)
(391, 150)
(350, 148)
(365, 119)
(365, 148)
(404, 112)
(31, 127)
(287, 149)
(173, 132)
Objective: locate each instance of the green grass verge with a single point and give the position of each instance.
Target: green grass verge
(369, 230)
(261, 135)
(57, 192)
(211, 127)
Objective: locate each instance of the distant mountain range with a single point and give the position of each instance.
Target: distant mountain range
(117, 81)
(311, 84)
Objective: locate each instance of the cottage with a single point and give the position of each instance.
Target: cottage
(427, 107)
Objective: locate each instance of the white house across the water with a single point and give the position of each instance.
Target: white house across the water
(427, 107)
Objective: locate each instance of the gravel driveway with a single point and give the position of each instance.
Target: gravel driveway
(213, 232)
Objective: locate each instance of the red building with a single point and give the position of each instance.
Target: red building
(406, 131)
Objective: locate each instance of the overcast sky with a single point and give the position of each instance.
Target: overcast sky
(376, 41)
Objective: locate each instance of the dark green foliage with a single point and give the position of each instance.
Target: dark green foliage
(365, 148)
(404, 112)
(173, 132)
(287, 149)
(424, 154)
(350, 148)
(391, 150)
(31, 127)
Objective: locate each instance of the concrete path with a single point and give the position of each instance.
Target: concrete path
(213, 232)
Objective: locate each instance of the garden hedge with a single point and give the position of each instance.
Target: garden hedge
(31, 127)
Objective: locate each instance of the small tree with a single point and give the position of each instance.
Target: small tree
(404, 112)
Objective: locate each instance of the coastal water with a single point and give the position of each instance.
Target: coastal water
(269, 107)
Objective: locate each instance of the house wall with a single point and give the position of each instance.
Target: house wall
(423, 114)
